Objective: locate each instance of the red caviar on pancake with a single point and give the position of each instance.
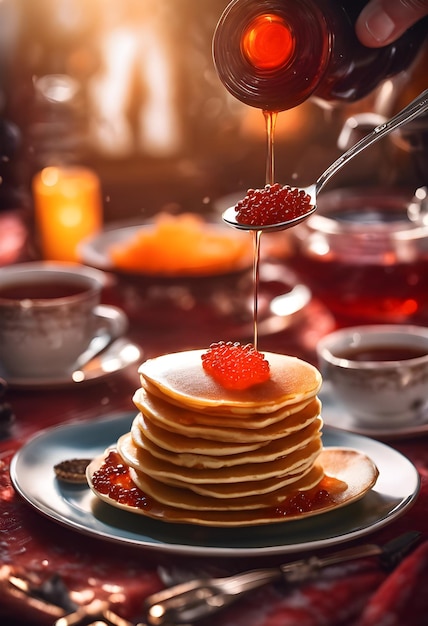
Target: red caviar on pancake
(235, 366)
(272, 204)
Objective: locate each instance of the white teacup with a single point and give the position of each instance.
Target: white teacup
(48, 316)
(378, 372)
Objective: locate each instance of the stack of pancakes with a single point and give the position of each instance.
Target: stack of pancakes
(208, 455)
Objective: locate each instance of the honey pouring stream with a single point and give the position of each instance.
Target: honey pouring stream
(418, 106)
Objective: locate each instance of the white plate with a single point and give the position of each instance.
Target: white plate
(335, 415)
(75, 506)
(112, 323)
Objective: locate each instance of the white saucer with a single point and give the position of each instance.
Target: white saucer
(112, 324)
(334, 414)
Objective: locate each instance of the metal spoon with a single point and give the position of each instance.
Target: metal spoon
(418, 106)
(112, 358)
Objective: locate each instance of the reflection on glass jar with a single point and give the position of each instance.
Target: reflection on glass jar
(365, 256)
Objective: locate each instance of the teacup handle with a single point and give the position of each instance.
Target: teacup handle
(111, 318)
(111, 324)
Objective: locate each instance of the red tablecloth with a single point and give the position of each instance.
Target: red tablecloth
(36, 548)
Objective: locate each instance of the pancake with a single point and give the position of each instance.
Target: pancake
(354, 470)
(168, 416)
(143, 461)
(180, 377)
(202, 500)
(199, 453)
(185, 417)
(224, 457)
(180, 444)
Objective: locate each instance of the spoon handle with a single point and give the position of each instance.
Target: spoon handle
(418, 106)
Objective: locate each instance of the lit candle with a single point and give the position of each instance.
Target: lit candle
(68, 208)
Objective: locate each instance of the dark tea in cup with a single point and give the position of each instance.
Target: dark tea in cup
(41, 290)
(379, 373)
(380, 353)
(47, 317)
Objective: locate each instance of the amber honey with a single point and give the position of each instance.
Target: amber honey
(275, 54)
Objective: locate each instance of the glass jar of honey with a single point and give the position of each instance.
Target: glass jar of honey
(275, 54)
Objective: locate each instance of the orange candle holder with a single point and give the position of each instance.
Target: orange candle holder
(68, 208)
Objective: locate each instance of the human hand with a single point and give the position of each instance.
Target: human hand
(383, 21)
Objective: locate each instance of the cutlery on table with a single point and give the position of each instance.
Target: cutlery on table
(113, 356)
(198, 598)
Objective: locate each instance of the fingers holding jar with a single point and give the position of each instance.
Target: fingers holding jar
(383, 21)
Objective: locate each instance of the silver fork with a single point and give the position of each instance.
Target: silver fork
(198, 598)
